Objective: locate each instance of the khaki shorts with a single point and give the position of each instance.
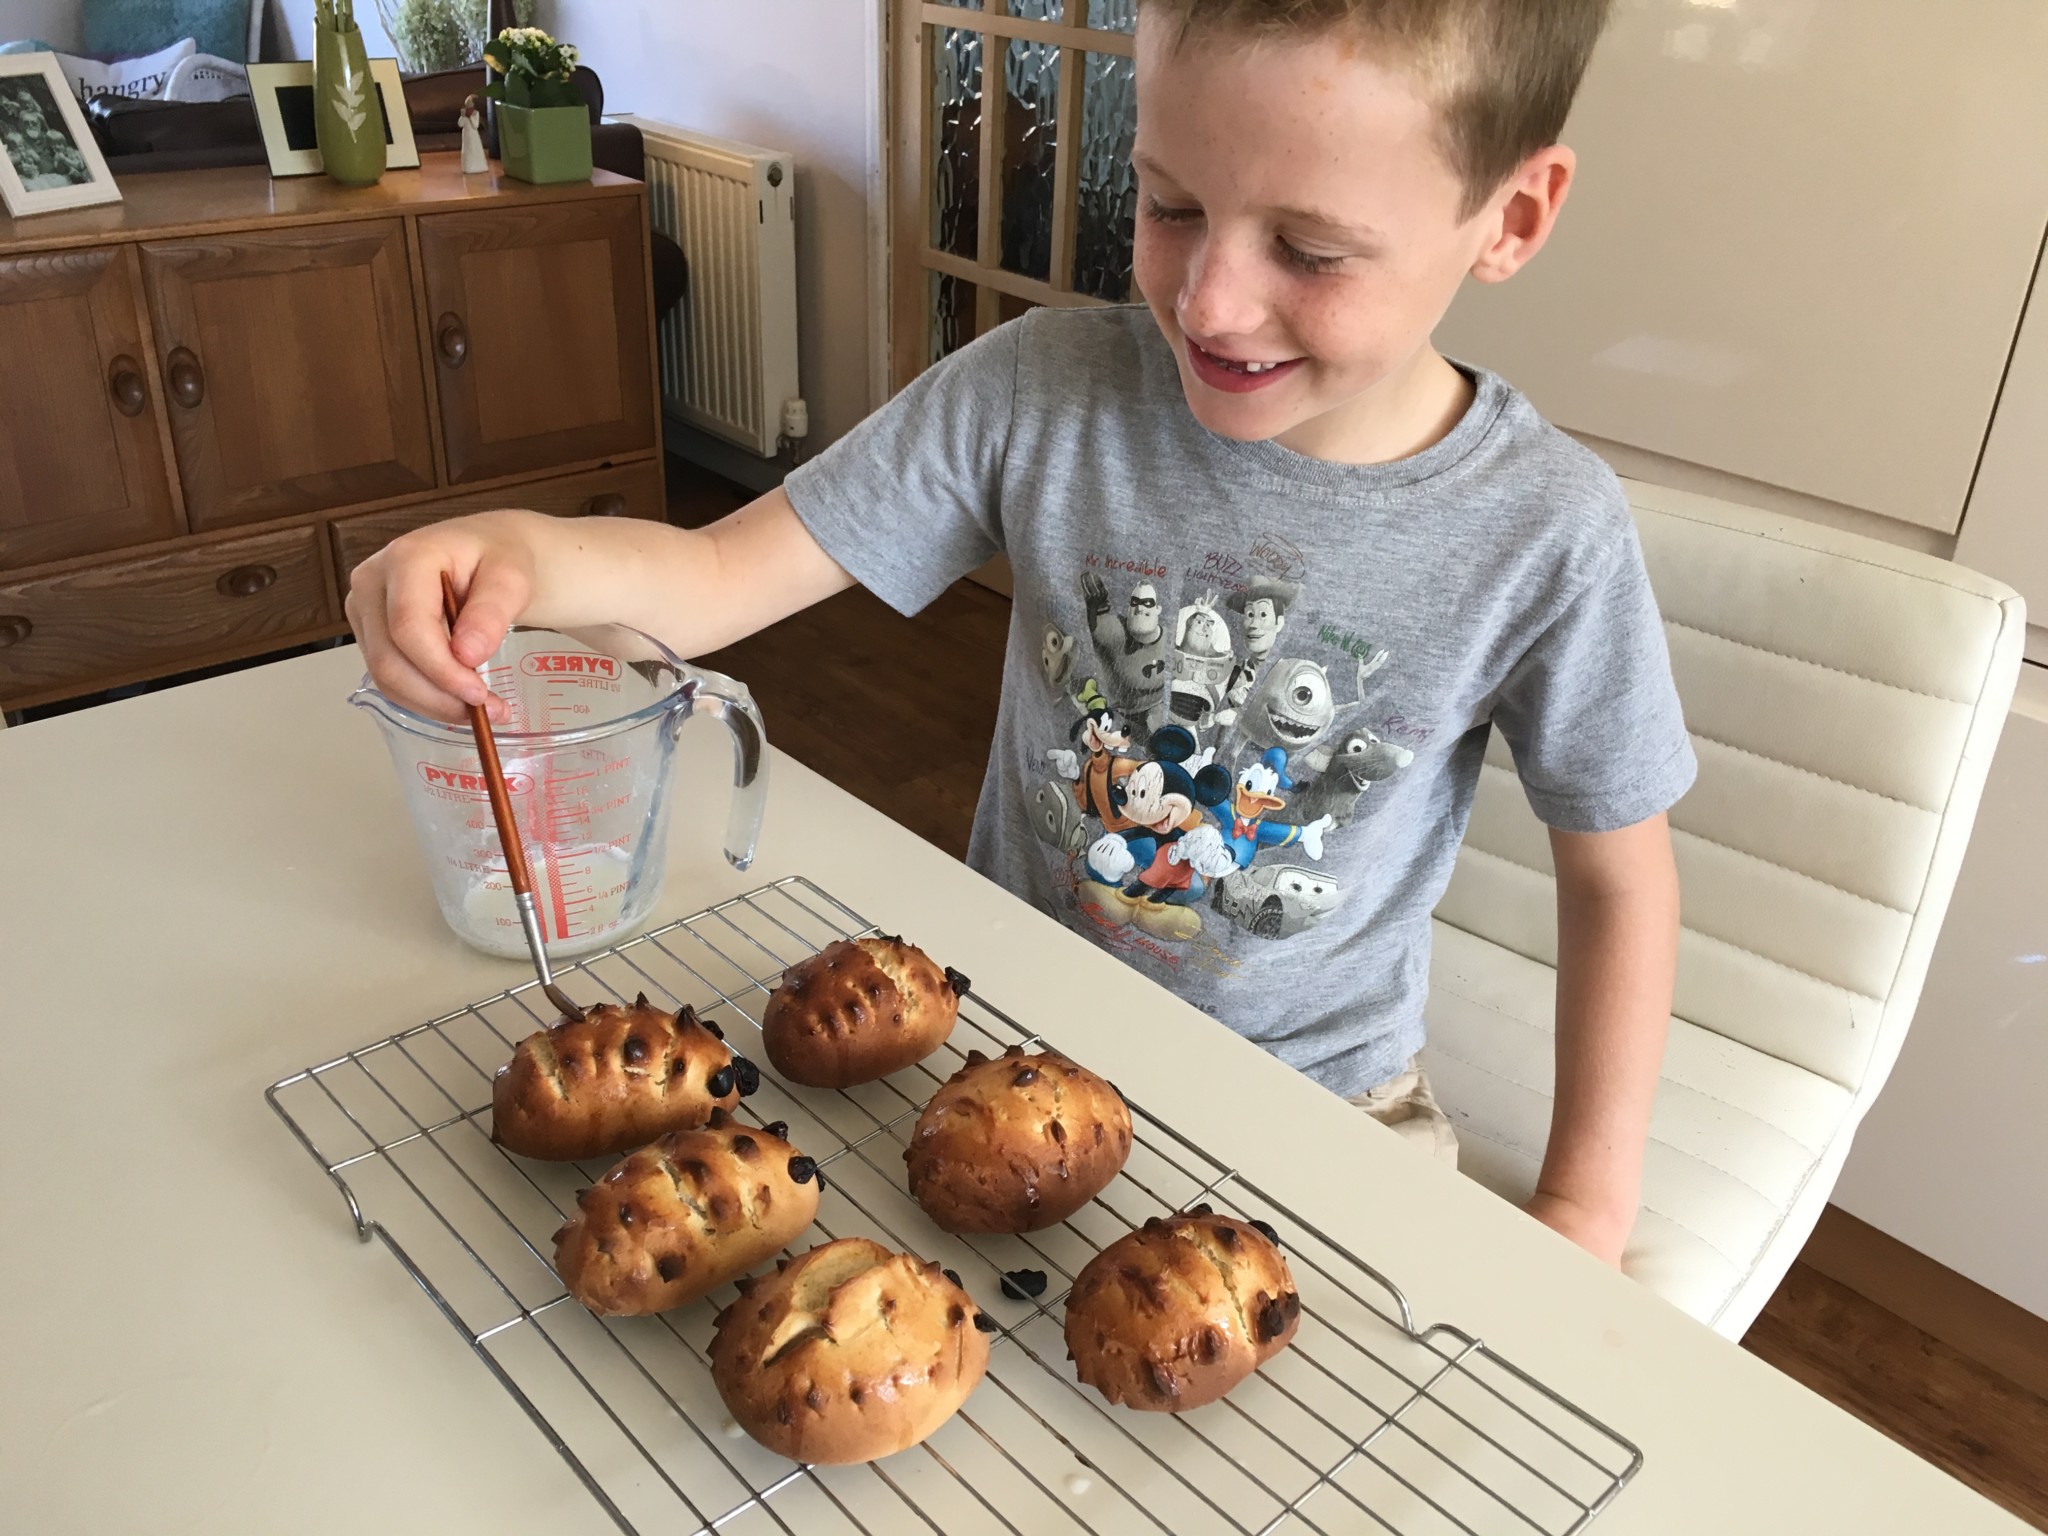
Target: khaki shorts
(1406, 1105)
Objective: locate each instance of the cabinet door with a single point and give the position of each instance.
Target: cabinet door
(2005, 533)
(1799, 245)
(540, 339)
(291, 366)
(81, 460)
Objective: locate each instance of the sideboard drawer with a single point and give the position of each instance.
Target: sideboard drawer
(633, 490)
(149, 615)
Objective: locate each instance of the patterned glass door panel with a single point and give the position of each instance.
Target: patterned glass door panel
(1014, 187)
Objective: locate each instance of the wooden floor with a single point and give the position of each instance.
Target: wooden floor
(899, 712)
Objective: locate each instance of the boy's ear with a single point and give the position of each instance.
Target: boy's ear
(1521, 215)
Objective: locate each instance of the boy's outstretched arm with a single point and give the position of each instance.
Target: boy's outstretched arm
(1617, 955)
(694, 589)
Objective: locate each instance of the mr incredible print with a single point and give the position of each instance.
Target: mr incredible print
(1219, 745)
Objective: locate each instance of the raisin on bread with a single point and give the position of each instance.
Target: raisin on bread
(848, 1353)
(1172, 1316)
(612, 1081)
(683, 1216)
(1015, 1143)
(858, 1010)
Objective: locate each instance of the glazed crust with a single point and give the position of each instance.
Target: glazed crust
(683, 1216)
(858, 1010)
(1015, 1143)
(1176, 1314)
(847, 1353)
(609, 1082)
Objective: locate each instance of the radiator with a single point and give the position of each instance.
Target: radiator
(728, 353)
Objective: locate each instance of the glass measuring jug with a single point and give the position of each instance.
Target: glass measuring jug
(588, 748)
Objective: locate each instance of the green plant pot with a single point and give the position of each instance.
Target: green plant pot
(348, 117)
(544, 144)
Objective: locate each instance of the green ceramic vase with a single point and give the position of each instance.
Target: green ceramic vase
(348, 118)
(544, 144)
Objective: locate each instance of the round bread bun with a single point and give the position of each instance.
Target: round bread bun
(614, 1080)
(1014, 1143)
(683, 1216)
(1176, 1314)
(858, 1010)
(847, 1353)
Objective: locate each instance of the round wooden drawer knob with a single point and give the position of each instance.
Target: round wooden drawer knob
(609, 504)
(246, 580)
(453, 341)
(188, 379)
(14, 629)
(124, 382)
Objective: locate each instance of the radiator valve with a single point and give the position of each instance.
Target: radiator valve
(796, 426)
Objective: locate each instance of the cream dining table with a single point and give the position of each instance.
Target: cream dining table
(206, 888)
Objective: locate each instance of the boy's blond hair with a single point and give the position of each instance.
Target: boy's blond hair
(1503, 72)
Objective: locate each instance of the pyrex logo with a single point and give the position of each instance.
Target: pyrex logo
(568, 664)
(462, 782)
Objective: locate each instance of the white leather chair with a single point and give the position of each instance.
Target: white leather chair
(1844, 697)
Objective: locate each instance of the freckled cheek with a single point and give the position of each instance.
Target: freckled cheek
(1159, 262)
(1341, 328)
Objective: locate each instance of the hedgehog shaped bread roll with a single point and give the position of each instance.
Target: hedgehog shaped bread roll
(613, 1080)
(1014, 1143)
(858, 1010)
(1174, 1315)
(683, 1216)
(848, 1353)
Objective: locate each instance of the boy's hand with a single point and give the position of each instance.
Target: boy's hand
(1602, 1236)
(394, 606)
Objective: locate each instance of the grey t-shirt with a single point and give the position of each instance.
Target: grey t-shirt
(1247, 693)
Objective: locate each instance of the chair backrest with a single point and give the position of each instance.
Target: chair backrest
(1844, 698)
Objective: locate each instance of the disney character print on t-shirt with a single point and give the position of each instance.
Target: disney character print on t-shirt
(1218, 742)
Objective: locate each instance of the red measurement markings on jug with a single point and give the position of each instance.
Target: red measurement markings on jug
(468, 784)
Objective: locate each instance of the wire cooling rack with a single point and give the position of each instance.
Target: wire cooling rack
(1366, 1423)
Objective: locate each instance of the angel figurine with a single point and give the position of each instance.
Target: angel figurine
(471, 118)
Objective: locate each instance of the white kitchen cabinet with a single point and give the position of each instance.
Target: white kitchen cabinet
(2006, 531)
(1799, 247)
(1950, 1160)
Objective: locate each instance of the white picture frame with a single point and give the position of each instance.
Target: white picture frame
(284, 111)
(37, 176)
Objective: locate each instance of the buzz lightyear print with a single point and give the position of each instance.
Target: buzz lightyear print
(1210, 760)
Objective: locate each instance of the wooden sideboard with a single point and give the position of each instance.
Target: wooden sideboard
(220, 394)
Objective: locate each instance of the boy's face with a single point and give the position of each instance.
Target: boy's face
(1295, 210)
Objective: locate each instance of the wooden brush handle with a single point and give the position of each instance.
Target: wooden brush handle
(494, 773)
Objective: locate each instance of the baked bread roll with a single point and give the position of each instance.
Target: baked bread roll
(848, 1353)
(1014, 1143)
(1174, 1315)
(858, 1010)
(614, 1080)
(681, 1217)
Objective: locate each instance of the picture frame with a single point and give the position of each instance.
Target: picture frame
(49, 159)
(284, 111)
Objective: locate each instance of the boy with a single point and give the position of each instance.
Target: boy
(1279, 566)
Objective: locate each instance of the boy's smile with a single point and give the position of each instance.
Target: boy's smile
(1301, 231)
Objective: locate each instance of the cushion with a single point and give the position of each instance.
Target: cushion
(120, 28)
(26, 45)
(1737, 1138)
(140, 79)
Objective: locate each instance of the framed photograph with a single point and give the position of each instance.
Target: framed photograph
(48, 159)
(284, 111)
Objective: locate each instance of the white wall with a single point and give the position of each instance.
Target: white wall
(794, 75)
(291, 30)
(54, 21)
